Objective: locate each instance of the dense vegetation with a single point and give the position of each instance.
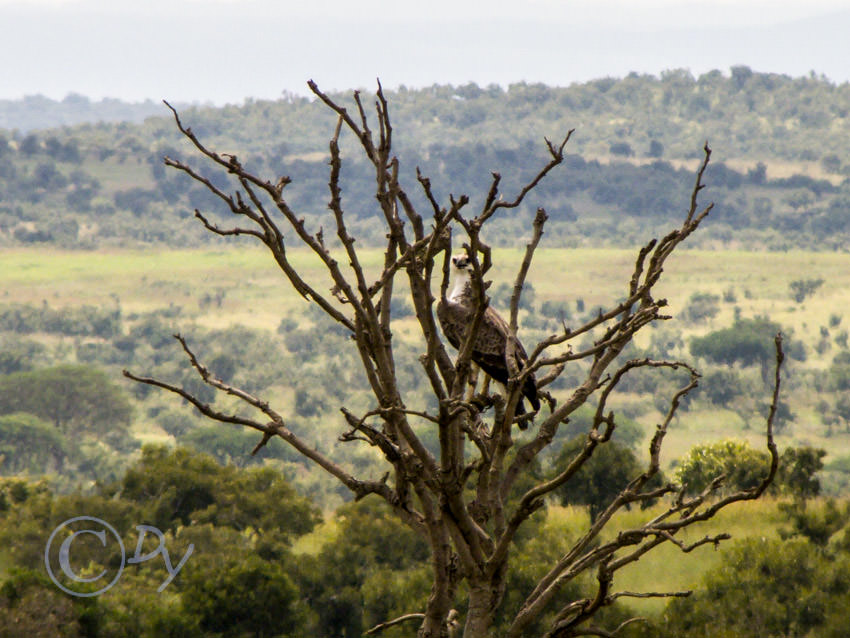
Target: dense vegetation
(779, 179)
(59, 388)
(253, 573)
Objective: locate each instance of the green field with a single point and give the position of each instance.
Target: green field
(256, 295)
(666, 568)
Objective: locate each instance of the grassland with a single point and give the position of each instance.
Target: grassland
(255, 294)
(666, 568)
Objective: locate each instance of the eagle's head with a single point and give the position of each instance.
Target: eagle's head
(460, 262)
(462, 272)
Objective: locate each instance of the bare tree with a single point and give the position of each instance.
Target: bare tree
(457, 499)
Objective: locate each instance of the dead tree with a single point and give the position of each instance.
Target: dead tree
(471, 537)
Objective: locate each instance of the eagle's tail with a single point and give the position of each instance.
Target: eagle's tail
(529, 391)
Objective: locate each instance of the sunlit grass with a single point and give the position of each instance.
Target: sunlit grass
(667, 568)
(253, 283)
(312, 543)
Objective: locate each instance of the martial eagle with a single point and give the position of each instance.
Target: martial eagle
(489, 350)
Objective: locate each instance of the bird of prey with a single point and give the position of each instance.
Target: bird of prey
(490, 348)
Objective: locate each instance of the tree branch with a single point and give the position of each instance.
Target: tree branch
(557, 154)
(275, 427)
(539, 220)
(392, 623)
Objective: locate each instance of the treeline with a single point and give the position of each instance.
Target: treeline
(746, 114)
(104, 184)
(248, 574)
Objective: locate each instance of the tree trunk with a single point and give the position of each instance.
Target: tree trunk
(432, 628)
(479, 617)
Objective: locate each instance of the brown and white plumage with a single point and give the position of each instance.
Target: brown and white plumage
(490, 349)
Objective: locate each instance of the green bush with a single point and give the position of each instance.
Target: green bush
(245, 596)
(77, 399)
(179, 487)
(28, 444)
(766, 588)
(741, 465)
(601, 477)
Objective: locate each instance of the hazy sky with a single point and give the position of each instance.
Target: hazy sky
(226, 50)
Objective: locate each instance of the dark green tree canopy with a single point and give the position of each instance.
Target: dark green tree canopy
(602, 477)
(740, 464)
(748, 342)
(179, 487)
(28, 444)
(247, 596)
(75, 398)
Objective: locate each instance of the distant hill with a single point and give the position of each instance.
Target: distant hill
(779, 175)
(38, 112)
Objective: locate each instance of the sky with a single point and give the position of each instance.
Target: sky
(224, 51)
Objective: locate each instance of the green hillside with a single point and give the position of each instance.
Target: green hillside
(778, 176)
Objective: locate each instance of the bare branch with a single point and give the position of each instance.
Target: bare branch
(698, 186)
(203, 408)
(274, 427)
(364, 137)
(665, 594)
(557, 153)
(214, 228)
(539, 219)
(392, 623)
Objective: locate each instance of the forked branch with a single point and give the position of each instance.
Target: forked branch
(275, 426)
(631, 545)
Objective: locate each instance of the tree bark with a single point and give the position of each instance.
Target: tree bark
(481, 612)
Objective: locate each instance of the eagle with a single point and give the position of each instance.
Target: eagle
(489, 350)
